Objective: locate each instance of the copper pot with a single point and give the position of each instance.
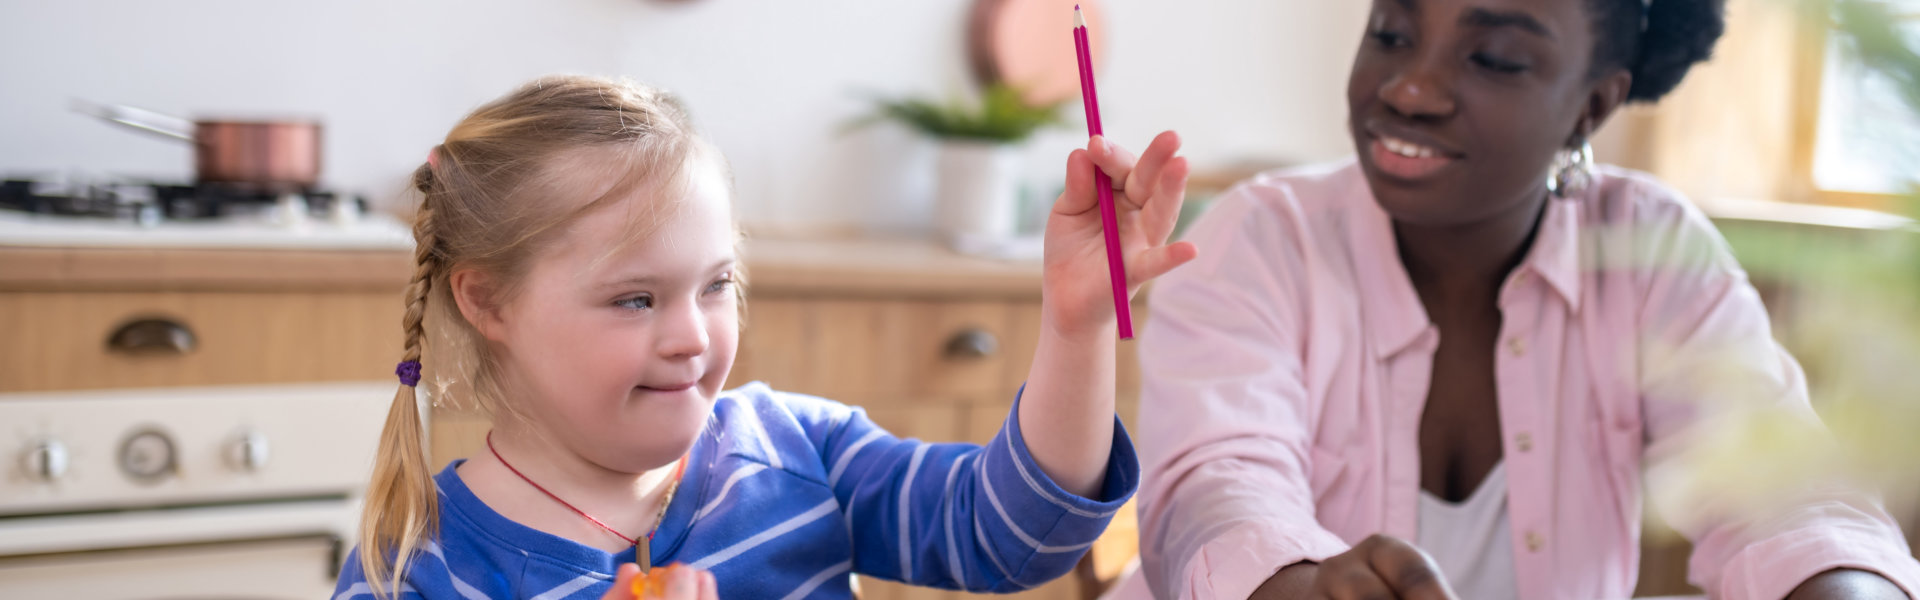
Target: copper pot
(264, 155)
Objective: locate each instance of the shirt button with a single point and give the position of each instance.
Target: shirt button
(1519, 348)
(1524, 442)
(1535, 541)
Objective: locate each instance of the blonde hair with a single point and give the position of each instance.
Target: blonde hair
(491, 194)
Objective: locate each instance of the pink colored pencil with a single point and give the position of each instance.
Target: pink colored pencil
(1109, 221)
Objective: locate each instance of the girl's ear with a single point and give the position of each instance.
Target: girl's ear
(474, 292)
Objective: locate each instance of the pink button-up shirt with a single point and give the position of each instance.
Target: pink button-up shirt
(1285, 371)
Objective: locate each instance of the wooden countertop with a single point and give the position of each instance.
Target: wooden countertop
(875, 266)
(145, 269)
(775, 266)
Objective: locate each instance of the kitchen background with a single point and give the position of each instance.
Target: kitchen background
(770, 82)
(184, 399)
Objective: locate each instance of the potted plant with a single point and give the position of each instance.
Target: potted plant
(978, 160)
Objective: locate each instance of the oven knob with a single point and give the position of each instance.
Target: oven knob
(248, 452)
(47, 461)
(148, 456)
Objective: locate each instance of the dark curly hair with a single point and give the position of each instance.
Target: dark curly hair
(1678, 34)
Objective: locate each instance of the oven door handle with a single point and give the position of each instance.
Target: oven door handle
(79, 532)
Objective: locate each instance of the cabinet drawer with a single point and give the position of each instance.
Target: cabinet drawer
(67, 340)
(854, 349)
(1064, 588)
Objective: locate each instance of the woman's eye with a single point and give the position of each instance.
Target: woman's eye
(720, 285)
(1390, 39)
(635, 303)
(1497, 65)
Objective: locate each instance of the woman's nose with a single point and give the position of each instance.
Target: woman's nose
(1419, 90)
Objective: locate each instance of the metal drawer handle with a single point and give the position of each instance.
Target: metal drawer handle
(152, 336)
(972, 343)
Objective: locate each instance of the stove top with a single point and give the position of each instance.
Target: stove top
(114, 211)
(147, 202)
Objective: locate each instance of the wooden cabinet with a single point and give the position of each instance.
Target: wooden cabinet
(117, 318)
(86, 340)
(919, 367)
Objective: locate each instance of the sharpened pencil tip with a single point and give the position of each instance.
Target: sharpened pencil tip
(1079, 19)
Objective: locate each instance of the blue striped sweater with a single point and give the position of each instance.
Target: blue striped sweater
(784, 496)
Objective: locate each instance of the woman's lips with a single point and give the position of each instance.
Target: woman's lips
(1407, 160)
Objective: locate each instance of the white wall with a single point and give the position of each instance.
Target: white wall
(770, 82)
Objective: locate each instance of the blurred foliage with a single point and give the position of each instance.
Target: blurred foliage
(1872, 36)
(1001, 115)
(1853, 322)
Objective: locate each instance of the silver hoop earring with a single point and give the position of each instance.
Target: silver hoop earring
(1572, 171)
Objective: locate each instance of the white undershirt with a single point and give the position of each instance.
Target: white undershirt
(1472, 541)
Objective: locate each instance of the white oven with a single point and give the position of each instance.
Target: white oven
(229, 492)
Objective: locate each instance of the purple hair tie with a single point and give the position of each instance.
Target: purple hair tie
(409, 372)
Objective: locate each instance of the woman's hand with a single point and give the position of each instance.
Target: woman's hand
(1380, 567)
(681, 583)
(1147, 193)
(1847, 583)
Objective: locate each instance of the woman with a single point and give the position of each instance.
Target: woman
(1440, 370)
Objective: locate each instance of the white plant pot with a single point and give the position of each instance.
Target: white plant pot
(977, 195)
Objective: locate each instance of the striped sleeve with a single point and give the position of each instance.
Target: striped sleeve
(960, 516)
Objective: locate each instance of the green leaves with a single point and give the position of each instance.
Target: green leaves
(1001, 115)
(1874, 30)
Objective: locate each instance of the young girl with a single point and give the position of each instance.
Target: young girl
(576, 238)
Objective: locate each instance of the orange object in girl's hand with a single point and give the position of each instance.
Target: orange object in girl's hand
(654, 584)
(671, 582)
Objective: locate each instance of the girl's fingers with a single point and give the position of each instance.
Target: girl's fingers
(622, 582)
(683, 584)
(1162, 211)
(1080, 196)
(709, 588)
(1154, 262)
(1148, 170)
(1115, 161)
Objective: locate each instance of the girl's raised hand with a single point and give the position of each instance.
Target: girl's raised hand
(1147, 195)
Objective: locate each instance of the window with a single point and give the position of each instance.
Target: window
(1867, 137)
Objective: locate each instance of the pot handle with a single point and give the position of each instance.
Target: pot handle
(136, 118)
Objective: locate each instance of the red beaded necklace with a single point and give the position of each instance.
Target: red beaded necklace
(642, 546)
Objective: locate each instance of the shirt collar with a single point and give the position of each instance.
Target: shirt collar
(1555, 256)
(1394, 315)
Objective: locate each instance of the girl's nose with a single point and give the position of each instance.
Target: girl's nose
(683, 333)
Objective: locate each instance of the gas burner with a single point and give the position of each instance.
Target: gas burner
(149, 202)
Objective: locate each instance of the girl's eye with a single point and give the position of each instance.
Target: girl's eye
(1496, 65)
(720, 285)
(641, 302)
